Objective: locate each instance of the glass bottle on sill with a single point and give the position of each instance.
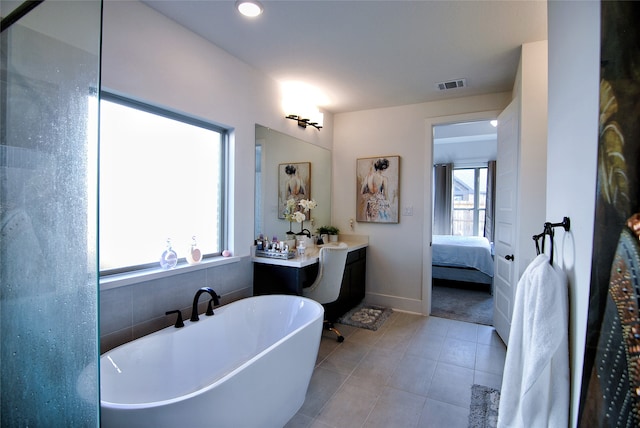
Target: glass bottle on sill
(169, 258)
(194, 255)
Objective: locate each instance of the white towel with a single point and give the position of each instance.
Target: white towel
(535, 384)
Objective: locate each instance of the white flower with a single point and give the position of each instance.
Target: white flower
(290, 212)
(307, 204)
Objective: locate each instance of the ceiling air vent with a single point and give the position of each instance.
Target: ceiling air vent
(452, 84)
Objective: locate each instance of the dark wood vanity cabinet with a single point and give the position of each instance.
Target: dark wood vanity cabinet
(275, 279)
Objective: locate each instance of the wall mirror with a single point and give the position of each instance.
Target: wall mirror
(274, 149)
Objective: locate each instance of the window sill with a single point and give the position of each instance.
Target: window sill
(130, 278)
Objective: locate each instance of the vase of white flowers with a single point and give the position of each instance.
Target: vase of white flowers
(297, 211)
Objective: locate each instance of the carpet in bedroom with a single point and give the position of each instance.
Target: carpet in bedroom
(462, 301)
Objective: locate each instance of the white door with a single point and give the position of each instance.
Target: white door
(505, 272)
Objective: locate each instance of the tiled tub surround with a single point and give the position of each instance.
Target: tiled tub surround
(128, 312)
(413, 372)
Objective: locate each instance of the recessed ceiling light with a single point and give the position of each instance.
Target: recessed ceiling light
(250, 8)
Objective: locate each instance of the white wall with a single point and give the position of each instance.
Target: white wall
(531, 92)
(149, 57)
(396, 251)
(574, 74)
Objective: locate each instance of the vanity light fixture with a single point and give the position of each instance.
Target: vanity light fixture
(249, 8)
(303, 122)
(299, 103)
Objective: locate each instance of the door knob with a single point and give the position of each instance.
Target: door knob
(509, 257)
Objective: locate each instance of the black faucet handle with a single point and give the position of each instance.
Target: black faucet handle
(209, 308)
(179, 322)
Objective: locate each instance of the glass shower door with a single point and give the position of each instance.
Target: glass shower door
(49, 86)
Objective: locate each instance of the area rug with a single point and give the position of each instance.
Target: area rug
(461, 303)
(484, 407)
(366, 316)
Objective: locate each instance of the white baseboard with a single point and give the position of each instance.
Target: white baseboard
(394, 302)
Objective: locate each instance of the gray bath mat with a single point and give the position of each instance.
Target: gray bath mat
(366, 316)
(484, 407)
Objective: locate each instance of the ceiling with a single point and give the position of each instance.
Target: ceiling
(465, 144)
(369, 54)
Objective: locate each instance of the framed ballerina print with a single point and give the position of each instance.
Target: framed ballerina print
(377, 189)
(294, 181)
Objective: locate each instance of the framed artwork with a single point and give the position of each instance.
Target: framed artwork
(294, 181)
(377, 189)
(610, 377)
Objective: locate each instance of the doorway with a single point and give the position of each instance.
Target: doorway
(466, 143)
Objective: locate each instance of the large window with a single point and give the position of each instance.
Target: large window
(469, 201)
(161, 178)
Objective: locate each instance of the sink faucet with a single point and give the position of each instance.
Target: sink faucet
(305, 232)
(214, 297)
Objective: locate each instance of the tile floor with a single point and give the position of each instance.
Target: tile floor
(413, 372)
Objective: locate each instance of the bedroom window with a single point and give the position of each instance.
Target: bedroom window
(469, 201)
(161, 177)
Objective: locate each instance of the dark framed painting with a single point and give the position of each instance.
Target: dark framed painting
(610, 394)
(294, 181)
(377, 189)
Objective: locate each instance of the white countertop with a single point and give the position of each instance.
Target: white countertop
(354, 242)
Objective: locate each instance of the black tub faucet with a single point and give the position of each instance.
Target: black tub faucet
(179, 323)
(214, 297)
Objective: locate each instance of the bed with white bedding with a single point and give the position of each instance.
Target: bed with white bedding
(462, 258)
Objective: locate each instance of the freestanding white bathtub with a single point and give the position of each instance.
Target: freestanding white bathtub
(249, 365)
